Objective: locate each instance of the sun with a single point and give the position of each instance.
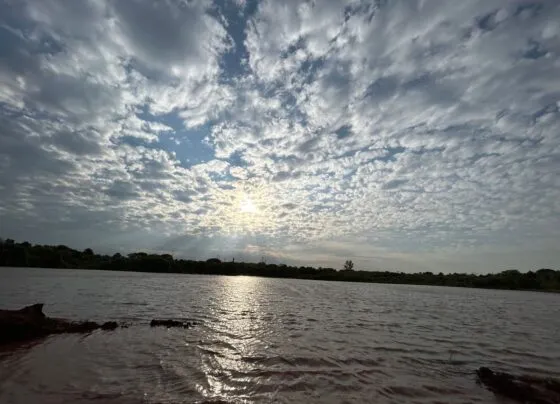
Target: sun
(246, 205)
(242, 209)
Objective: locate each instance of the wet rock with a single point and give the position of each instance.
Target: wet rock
(31, 323)
(169, 323)
(523, 389)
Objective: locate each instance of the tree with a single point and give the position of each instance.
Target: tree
(348, 265)
(167, 257)
(213, 261)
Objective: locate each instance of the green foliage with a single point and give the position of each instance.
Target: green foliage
(27, 255)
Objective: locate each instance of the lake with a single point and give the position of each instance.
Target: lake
(272, 340)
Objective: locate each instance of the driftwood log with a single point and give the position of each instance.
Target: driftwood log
(523, 389)
(170, 323)
(31, 323)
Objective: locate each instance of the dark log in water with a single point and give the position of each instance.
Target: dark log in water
(524, 389)
(170, 323)
(31, 323)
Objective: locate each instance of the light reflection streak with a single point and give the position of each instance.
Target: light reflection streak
(234, 335)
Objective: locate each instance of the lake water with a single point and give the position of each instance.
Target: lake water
(272, 340)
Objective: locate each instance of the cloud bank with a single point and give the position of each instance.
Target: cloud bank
(406, 135)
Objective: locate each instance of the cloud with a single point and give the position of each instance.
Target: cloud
(408, 128)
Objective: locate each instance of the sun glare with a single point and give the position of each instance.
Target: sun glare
(247, 206)
(243, 209)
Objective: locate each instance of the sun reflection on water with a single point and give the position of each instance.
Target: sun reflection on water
(235, 335)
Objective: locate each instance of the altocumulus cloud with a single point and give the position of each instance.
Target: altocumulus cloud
(408, 135)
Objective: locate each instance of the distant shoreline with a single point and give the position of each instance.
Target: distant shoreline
(552, 291)
(13, 254)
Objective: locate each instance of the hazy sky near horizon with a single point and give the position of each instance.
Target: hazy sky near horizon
(405, 135)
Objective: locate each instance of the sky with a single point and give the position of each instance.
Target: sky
(408, 135)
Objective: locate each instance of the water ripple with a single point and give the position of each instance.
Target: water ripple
(273, 340)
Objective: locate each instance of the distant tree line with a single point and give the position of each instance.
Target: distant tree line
(45, 256)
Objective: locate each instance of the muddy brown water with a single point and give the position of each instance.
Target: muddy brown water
(272, 340)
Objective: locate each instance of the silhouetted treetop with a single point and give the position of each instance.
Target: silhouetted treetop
(348, 265)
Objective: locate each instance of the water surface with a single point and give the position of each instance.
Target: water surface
(272, 340)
